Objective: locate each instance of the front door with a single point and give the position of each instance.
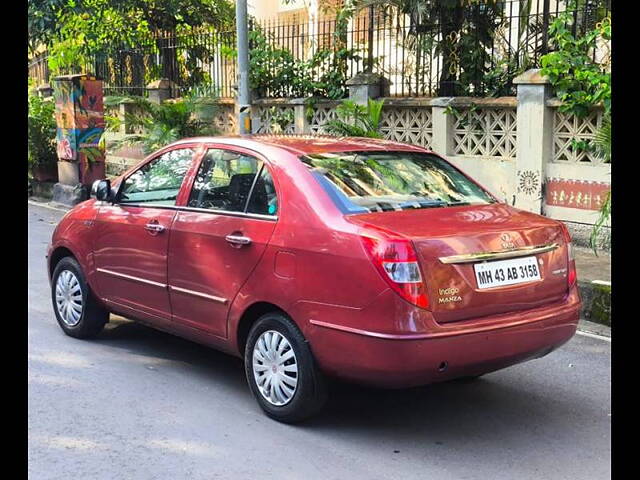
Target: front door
(218, 238)
(132, 236)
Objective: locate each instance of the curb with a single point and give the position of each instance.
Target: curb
(594, 330)
(50, 205)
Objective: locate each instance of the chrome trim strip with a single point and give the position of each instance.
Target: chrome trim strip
(257, 216)
(199, 294)
(366, 333)
(142, 205)
(483, 256)
(130, 277)
(456, 330)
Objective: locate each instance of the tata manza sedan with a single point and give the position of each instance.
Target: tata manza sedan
(315, 257)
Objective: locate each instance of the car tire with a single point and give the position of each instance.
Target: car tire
(270, 342)
(78, 312)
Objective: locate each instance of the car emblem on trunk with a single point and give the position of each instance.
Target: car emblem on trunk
(449, 295)
(507, 243)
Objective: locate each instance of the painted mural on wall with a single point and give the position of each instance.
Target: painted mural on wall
(81, 125)
(580, 194)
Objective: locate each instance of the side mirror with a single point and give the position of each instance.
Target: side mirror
(101, 190)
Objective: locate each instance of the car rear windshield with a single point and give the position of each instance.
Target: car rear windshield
(373, 181)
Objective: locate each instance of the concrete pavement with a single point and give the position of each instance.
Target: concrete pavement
(139, 404)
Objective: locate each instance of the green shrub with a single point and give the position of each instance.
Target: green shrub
(41, 131)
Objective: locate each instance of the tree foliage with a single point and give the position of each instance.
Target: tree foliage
(72, 30)
(577, 79)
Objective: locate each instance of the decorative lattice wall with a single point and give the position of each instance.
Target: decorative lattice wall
(225, 120)
(270, 116)
(485, 132)
(407, 124)
(321, 115)
(573, 137)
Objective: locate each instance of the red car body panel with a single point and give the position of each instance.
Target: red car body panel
(123, 246)
(201, 260)
(310, 262)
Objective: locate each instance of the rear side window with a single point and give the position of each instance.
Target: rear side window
(362, 182)
(233, 182)
(159, 181)
(263, 199)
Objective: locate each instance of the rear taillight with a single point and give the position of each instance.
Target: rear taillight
(396, 260)
(572, 275)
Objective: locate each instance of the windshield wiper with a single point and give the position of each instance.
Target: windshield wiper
(423, 204)
(451, 204)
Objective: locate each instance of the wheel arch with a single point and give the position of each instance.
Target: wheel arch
(250, 315)
(58, 254)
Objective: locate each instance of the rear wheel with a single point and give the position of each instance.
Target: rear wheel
(281, 370)
(77, 311)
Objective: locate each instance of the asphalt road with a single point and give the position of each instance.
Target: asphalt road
(140, 404)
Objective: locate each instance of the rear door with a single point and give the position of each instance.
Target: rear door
(132, 236)
(220, 235)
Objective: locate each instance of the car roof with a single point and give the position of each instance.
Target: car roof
(302, 144)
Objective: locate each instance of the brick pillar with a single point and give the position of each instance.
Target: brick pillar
(534, 139)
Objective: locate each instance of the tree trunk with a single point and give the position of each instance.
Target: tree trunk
(451, 19)
(168, 56)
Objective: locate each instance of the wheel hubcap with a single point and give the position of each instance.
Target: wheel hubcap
(275, 368)
(69, 298)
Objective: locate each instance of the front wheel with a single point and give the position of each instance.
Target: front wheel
(281, 370)
(77, 311)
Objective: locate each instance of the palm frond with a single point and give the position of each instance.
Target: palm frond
(166, 122)
(602, 139)
(355, 120)
(343, 129)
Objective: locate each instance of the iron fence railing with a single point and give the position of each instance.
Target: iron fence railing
(198, 59)
(474, 49)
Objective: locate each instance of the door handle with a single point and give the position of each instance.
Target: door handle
(154, 228)
(238, 240)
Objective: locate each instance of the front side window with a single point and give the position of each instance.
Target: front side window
(361, 182)
(234, 182)
(159, 181)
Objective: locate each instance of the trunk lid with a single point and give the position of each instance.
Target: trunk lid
(452, 288)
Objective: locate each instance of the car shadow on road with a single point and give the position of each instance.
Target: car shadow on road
(207, 363)
(497, 404)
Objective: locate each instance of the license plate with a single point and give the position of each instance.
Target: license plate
(506, 272)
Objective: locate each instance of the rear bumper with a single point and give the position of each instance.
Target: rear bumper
(468, 348)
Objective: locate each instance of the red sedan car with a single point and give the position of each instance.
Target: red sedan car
(314, 257)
